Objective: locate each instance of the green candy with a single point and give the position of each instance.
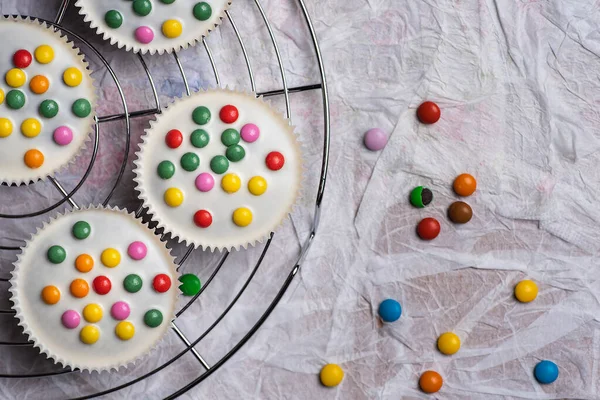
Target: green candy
(56, 254)
(421, 196)
(113, 19)
(48, 109)
(189, 161)
(132, 283)
(142, 7)
(15, 99)
(201, 115)
(219, 164)
(153, 318)
(81, 230)
(190, 284)
(199, 138)
(167, 1)
(202, 11)
(230, 136)
(81, 108)
(235, 153)
(166, 169)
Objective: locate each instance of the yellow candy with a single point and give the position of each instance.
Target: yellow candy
(72, 77)
(242, 216)
(331, 375)
(6, 127)
(171, 28)
(231, 183)
(448, 343)
(1, 96)
(92, 313)
(257, 185)
(89, 334)
(31, 127)
(15, 78)
(44, 54)
(125, 330)
(173, 197)
(526, 291)
(110, 257)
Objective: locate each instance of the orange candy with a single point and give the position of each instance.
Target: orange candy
(39, 84)
(50, 294)
(430, 382)
(465, 185)
(33, 158)
(79, 288)
(84, 263)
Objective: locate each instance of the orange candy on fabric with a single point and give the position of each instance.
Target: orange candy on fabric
(465, 185)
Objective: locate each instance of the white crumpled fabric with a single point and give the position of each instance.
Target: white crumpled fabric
(518, 86)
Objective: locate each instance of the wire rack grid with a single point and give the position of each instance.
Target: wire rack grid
(126, 116)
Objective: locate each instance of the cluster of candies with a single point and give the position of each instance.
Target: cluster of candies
(39, 84)
(219, 164)
(170, 28)
(102, 285)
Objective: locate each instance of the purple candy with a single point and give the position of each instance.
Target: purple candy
(137, 250)
(205, 182)
(250, 133)
(375, 139)
(120, 310)
(63, 135)
(70, 319)
(144, 34)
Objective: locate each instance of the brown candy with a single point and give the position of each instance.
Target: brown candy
(460, 212)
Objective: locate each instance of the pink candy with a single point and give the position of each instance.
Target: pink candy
(137, 250)
(120, 310)
(71, 319)
(250, 133)
(205, 182)
(63, 135)
(144, 34)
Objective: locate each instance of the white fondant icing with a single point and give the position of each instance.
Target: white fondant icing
(42, 322)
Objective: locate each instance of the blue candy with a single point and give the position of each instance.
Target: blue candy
(546, 371)
(390, 310)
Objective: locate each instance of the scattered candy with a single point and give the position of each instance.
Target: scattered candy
(174, 138)
(250, 133)
(230, 136)
(428, 228)
(101, 285)
(120, 310)
(15, 99)
(331, 375)
(275, 161)
(205, 182)
(6, 127)
(50, 294)
(231, 183)
(81, 230)
(201, 115)
(257, 185)
(39, 84)
(428, 112)
(15, 78)
(190, 284)
(31, 127)
(430, 382)
(110, 257)
(132, 283)
(203, 218)
(22, 58)
(33, 158)
(72, 77)
(56, 254)
(1, 96)
(166, 169)
(172, 28)
(526, 291)
(79, 288)
(113, 19)
(48, 109)
(125, 330)
(448, 343)
(202, 11)
(173, 197)
(62, 135)
(460, 212)
(229, 114)
(137, 250)
(142, 7)
(235, 153)
(421, 197)
(375, 139)
(390, 310)
(70, 319)
(161, 283)
(242, 217)
(190, 161)
(219, 164)
(89, 334)
(546, 372)
(92, 313)
(144, 34)
(199, 138)
(153, 318)
(84, 263)
(44, 54)
(464, 185)
(81, 108)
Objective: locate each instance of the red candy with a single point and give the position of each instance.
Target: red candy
(428, 228)
(229, 114)
(428, 112)
(161, 283)
(202, 218)
(275, 161)
(102, 284)
(22, 58)
(174, 138)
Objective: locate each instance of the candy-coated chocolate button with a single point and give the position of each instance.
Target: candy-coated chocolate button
(48, 108)
(142, 7)
(31, 127)
(199, 138)
(448, 343)
(120, 310)
(465, 185)
(230, 136)
(113, 19)
(526, 291)
(101, 285)
(219, 164)
(33, 158)
(144, 34)
(92, 312)
(257, 185)
(190, 284)
(22, 58)
(171, 28)
(275, 161)
(1, 96)
(50, 294)
(72, 77)
(201, 115)
(231, 183)
(79, 288)
(132, 283)
(6, 127)
(137, 250)
(229, 114)
(430, 381)
(331, 375)
(165, 169)
(84, 263)
(428, 228)
(15, 78)
(89, 334)
(63, 135)
(161, 283)
(174, 138)
(81, 230)
(202, 11)
(203, 218)
(204, 182)
(546, 372)
(235, 153)
(250, 133)
(190, 161)
(421, 197)
(390, 310)
(428, 112)
(110, 257)
(375, 139)
(242, 217)
(56, 254)
(81, 108)
(173, 197)
(44, 54)
(460, 212)
(39, 84)
(153, 318)
(70, 319)
(125, 330)
(15, 99)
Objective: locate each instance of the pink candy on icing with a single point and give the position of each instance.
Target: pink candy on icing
(144, 34)
(250, 133)
(120, 310)
(137, 250)
(205, 182)
(71, 319)
(63, 135)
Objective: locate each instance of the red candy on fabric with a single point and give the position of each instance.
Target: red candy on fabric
(229, 114)
(161, 283)
(428, 228)
(428, 113)
(275, 161)
(174, 138)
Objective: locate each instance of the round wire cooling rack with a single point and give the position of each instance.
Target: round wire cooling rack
(127, 115)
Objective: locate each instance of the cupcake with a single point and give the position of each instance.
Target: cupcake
(219, 169)
(154, 26)
(94, 289)
(47, 101)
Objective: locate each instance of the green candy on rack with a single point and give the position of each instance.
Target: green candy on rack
(190, 284)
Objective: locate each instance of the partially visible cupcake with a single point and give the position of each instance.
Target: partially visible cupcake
(47, 101)
(94, 289)
(153, 26)
(219, 169)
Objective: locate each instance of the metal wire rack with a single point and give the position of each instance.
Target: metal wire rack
(126, 116)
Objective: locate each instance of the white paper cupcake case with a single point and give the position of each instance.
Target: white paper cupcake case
(162, 221)
(39, 343)
(123, 40)
(87, 79)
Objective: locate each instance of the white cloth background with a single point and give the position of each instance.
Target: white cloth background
(518, 84)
